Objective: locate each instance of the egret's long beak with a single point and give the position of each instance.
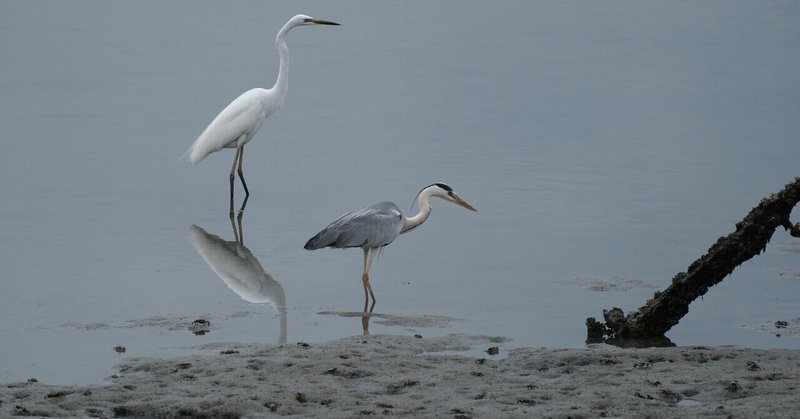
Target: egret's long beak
(461, 202)
(321, 22)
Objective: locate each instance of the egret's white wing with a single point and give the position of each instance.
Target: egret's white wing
(234, 126)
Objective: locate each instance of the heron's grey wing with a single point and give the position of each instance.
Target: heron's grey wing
(374, 226)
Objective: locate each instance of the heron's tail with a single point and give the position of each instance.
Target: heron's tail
(316, 242)
(326, 238)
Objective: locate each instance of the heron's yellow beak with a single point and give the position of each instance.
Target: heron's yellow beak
(461, 202)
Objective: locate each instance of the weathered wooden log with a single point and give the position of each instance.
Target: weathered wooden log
(667, 307)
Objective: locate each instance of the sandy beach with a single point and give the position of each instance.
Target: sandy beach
(410, 376)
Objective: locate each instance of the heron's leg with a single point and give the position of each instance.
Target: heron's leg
(241, 177)
(365, 318)
(233, 175)
(368, 255)
(365, 323)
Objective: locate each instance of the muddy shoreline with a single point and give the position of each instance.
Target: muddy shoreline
(425, 377)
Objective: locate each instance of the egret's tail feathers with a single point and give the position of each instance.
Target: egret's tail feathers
(194, 153)
(187, 153)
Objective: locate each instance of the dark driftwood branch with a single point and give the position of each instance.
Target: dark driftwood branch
(667, 307)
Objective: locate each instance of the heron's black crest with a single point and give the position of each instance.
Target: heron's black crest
(443, 186)
(439, 184)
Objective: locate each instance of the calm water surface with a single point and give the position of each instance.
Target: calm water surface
(601, 142)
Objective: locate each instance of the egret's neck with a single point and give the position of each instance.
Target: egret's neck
(410, 223)
(282, 84)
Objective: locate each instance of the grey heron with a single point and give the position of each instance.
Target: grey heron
(377, 225)
(236, 125)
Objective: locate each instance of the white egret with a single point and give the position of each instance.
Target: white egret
(241, 119)
(377, 225)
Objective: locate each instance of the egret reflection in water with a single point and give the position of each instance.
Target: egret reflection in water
(240, 270)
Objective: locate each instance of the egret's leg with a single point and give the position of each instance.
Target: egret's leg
(241, 177)
(368, 255)
(239, 219)
(236, 225)
(233, 226)
(233, 173)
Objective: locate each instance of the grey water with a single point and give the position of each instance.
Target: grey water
(606, 145)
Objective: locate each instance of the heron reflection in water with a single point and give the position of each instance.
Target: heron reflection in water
(240, 270)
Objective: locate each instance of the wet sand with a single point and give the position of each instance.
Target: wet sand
(426, 377)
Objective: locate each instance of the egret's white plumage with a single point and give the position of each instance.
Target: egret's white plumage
(377, 225)
(236, 125)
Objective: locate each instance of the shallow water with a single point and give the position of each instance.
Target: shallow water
(605, 145)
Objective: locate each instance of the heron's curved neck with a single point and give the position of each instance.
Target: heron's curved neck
(410, 223)
(282, 83)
